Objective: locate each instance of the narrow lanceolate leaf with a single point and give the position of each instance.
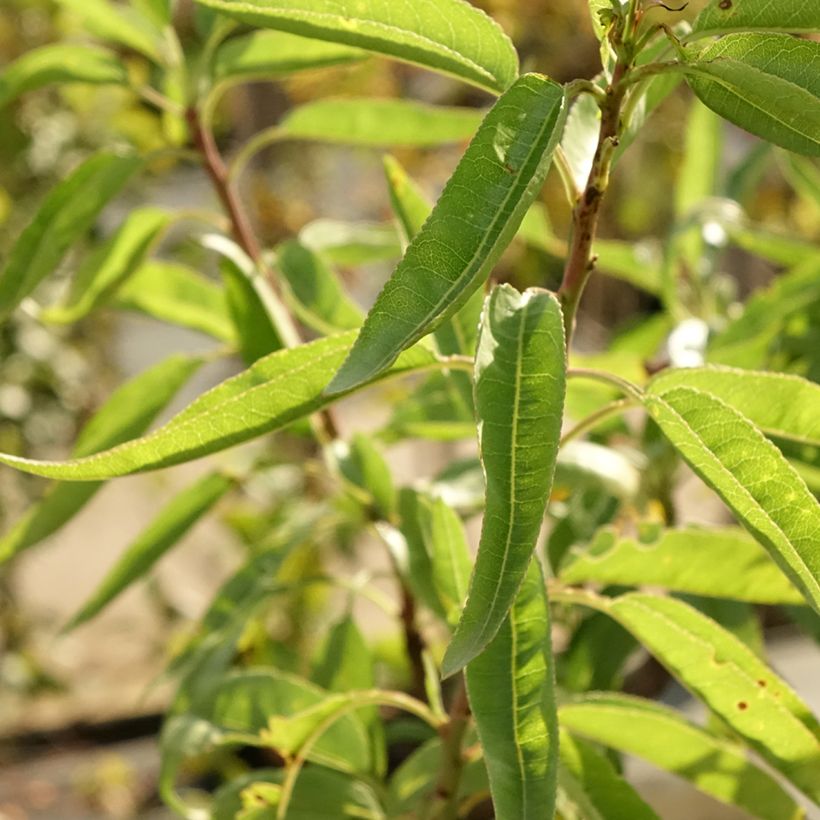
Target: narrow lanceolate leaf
(726, 563)
(108, 266)
(374, 122)
(180, 295)
(60, 63)
(67, 213)
(127, 413)
(446, 544)
(730, 678)
(589, 781)
(161, 534)
(449, 36)
(663, 737)
(720, 17)
(512, 697)
(768, 84)
(351, 243)
(278, 389)
(520, 380)
(409, 204)
(751, 476)
(473, 222)
(319, 300)
(119, 24)
(779, 404)
(269, 54)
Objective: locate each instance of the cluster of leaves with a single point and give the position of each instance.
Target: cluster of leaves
(739, 404)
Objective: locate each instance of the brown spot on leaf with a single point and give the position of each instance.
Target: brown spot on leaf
(725, 4)
(743, 706)
(762, 683)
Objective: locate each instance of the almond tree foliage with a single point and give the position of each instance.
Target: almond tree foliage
(488, 707)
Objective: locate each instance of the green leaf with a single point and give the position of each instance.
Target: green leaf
(351, 243)
(379, 122)
(719, 563)
(446, 544)
(804, 176)
(318, 298)
(409, 204)
(768, 84)
(267, 54)
(159, 11)
(596, 783)
(512, 697)
(68, 211)
(734, 682)
(774, 246)
(175, 519)
(127, 413)
(278, 389)
(520, 379)
(345, 663)
(473, 222)
(719, 17)
(119, 24)
(779, 404)
(449, 36)
(109, 265)
(663, 737)
(580, 138)
(177, 294)
(319, 794)
(364, 466)
(746, 341)
(244, 702)
(60, 63)
(248, 300)
(751, 476)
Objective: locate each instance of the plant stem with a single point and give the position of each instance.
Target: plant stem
(326, 429)
(445, 802)
(414, 643)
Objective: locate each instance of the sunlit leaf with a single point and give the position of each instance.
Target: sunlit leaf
(60, 63)
(473, 222)
(721, 563)
(751, 476)
(766, 83)
(511, 688)
(67, 212)
(663, 737)
(276, 390)
(448, 36)
(519, 384)
(720, 16)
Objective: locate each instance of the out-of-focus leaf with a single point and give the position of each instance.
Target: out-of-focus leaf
(244, 702)
(512, 697)
(719, 563)
(174, 293)
(446, 544)
(110, 265)
(666, 739)
(600, 791)
(719, 17)
(127, 413)
(268, 54)
(119, 24)
(410, 205)
(520, 377)
(751, 476)
(766, 83)
(364, 466)
(67, 212)
(448, 36)
(475, 219)
(175, 519)
(60, 63)
(272, 393)
(319, 299)
(779, 404)
(351, 243)
(379, 122)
